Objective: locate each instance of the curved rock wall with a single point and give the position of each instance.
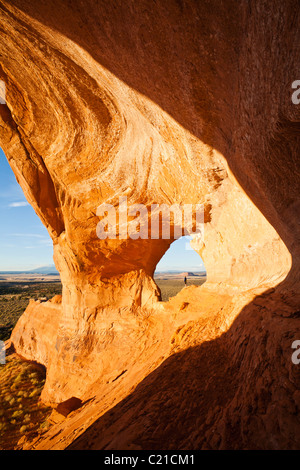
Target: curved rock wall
(185, 102)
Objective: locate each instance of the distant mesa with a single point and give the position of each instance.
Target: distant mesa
(51, 269)
(179, 274)
(188, 274)
(45, 270)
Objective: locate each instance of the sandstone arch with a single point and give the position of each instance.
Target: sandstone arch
(167, 105)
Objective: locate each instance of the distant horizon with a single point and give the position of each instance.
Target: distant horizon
(41, 268)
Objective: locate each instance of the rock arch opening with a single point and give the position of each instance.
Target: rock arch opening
(180, 266)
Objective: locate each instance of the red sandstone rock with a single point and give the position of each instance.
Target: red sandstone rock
(177, 102)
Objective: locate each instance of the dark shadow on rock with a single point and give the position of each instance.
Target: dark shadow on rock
(71, 404)
(239, 391)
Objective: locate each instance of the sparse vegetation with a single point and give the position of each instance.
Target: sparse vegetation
(171, 287)
(14, 298)
(21, 413)
(21, 382)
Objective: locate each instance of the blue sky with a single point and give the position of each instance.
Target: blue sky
(181, 257)
(25, 243)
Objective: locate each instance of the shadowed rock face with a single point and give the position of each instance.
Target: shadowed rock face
(177, 102)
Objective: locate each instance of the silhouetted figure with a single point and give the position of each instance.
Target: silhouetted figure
(185, 280)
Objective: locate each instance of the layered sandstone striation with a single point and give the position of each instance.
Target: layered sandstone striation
(177, 103)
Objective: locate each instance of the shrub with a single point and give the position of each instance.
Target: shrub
(17, 414)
